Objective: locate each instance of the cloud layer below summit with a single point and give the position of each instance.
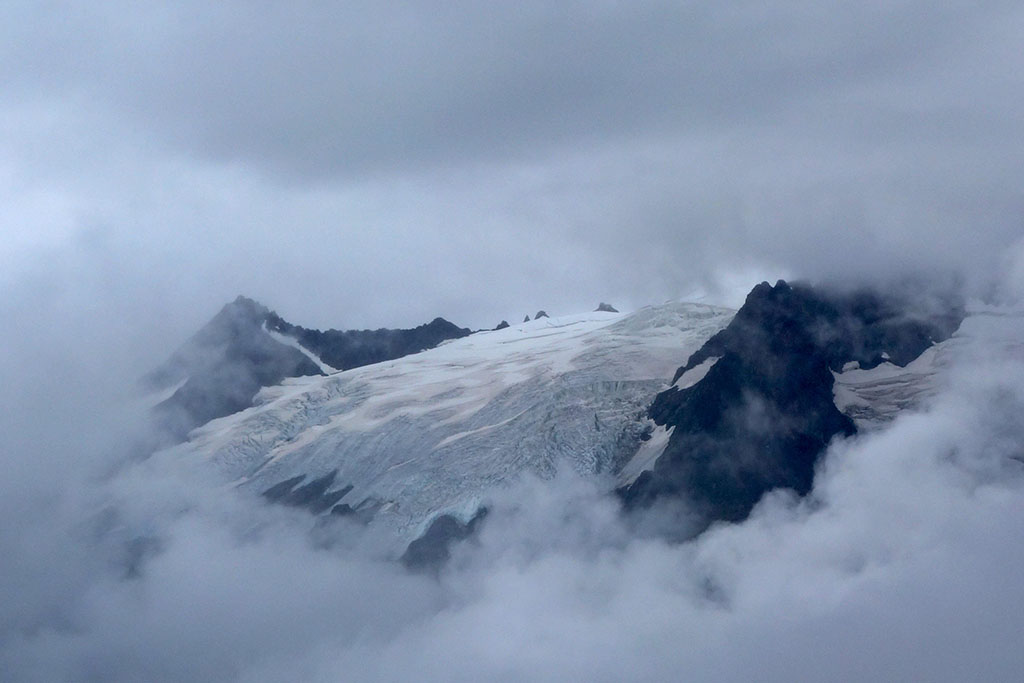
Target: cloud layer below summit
(902, 564)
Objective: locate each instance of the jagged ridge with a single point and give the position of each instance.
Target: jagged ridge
(356, 348)
(764, 412)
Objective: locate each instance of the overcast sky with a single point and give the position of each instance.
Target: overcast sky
(362, 164)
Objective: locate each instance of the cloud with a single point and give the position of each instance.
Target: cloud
(901, 563)
(359, 167)
(364, 166)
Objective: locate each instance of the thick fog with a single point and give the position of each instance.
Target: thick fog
(373, 166)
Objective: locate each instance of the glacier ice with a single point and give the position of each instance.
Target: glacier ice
(431, 433)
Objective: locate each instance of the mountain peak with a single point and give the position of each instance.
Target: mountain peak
(246, 346)
(762, 410)
(244, 303)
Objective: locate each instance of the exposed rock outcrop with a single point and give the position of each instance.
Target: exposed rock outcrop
(345, 349)
(222, 367)
(764, 412)
(432, 550)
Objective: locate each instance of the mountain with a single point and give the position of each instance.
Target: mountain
(415, 444)
(219, 370)
(246, 346)
(430, 434)
(755, 407)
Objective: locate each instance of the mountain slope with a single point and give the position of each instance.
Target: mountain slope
(219, 370)
(246, 347)
(430, 433)
(354, 348)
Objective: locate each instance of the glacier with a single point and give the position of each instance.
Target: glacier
(431, 433)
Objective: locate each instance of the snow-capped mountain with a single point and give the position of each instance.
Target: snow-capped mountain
(416, 443)
(430, 433)
(875, 396)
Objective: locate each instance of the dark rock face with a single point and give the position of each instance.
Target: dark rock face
(223, 366)
(502, 325)
(278, 492)
(764, 412)
(540, 314)
(354, 348)
(362, 513)
(526, 319)
(314, 496)
(605, 308)
(432, 550)
(226, 363)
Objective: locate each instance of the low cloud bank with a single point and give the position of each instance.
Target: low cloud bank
(903, 563)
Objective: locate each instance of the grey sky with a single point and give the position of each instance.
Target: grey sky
(355, 164)
(365, 164)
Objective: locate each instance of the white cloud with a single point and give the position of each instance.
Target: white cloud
(903, 563)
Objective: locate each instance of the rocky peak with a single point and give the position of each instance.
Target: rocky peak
(763, 412)
(226, 363)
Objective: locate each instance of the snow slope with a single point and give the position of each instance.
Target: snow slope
(873, 398)
(294, 343)
(430, 433)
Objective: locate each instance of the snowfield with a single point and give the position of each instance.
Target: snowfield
(873, 398)
(431, 433)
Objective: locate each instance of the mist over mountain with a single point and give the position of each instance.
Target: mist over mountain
(818, 477)
(417, 447)
(168, 574)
